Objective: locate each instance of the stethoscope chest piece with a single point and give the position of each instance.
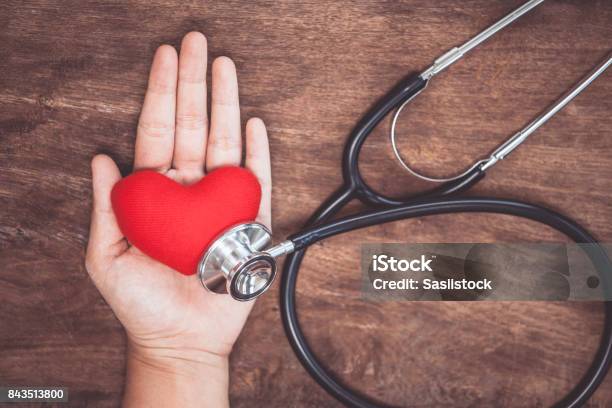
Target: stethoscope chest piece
(236, 262)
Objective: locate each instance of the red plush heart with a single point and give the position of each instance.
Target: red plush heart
(175, 224)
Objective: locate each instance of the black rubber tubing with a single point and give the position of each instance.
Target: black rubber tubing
(579, 394)
(425, 203)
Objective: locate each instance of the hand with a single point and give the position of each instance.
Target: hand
(173, 325)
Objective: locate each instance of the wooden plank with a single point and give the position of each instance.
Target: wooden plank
(73, 77)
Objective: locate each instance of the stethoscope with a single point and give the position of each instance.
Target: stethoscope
(241, 261)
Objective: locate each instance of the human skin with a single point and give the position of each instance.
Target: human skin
(179, 335)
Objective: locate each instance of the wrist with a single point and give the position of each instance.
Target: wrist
(174, 377)
(177, 360)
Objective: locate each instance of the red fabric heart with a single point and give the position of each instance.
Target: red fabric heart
(175, 224)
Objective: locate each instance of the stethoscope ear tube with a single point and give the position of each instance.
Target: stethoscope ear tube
(370, 197)
(355, 185)
(405, 90)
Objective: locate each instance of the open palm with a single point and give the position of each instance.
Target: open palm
(160, 308)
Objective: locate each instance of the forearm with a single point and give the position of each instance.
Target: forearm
(175, 381)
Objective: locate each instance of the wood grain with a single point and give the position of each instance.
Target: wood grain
(72, 80)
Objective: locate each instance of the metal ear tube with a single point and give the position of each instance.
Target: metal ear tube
(238, 262)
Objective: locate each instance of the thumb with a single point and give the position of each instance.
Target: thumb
(106, 241)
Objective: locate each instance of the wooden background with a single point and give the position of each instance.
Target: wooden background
(72, 78)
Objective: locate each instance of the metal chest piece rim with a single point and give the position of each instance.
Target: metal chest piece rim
(236, 263)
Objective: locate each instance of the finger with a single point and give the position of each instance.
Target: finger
(155, 135)
(258, 161)
(191, 120)
(224, 143)
(106, 241)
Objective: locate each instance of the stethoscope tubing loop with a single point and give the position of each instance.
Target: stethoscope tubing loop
(432, 202)
(321, 229)
(435, 201)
